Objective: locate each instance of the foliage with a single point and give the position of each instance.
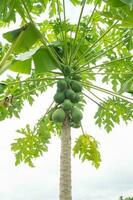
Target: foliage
(87, 149)
(19, 90)
(127, 86)
(10, 9)
(34, 142)
(112, 111)
(99, 45)
(127, 198)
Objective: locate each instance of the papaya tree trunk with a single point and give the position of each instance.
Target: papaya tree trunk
(65, 162)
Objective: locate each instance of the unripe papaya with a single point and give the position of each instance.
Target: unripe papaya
(68, 80)
(61, 85)
(67, 70)
(67, 105)
(75, 125)
(70, 94)
(51, 113)
(59, 97)
(76, 86)
(76, 77)
(76, 115)
(58, 116)
(76, 98)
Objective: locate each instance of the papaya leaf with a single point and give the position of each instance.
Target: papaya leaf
(2, 87)
(112, 111)
(3, 112)
(127, 86)
(22, 90)
(128, 2)
(115, 3)
(29, 37)
(87, 149)
(76, 2)
(33, 142)
(12, 35)
(10, 9)
(127, 20)
(28, 147)
(43, 61)
(21, 66)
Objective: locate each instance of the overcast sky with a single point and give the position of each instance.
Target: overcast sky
(112, 179)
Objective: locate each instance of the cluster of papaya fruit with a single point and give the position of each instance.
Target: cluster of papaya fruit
(67, 97)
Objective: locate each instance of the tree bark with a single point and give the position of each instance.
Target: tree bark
(65, 162)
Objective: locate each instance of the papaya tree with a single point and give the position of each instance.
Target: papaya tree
(90, 60)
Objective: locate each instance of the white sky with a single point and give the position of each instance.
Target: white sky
(112, 179)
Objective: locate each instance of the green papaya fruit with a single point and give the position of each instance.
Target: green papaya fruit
(61, 85)
(67, 105)
(76, 86)
(76, 77)
(70, 94)
(75, 125)
(67, 70)
(51, 113)
(76, 115)
(76, 98)
(59, 97)
(58, 115)
(68, 80)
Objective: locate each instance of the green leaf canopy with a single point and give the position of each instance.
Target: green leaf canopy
(128, 2)
(42, 58)
(43, 61)
(21, 66)
(127, 86)
(29, 36)
(2, 87)
(116, 3)
(86, 147)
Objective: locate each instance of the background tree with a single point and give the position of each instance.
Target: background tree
(72, 57)
(127, 198)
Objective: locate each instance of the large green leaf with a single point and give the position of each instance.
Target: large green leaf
(87, 149)
(128, 18)
(127, 86)
(10, 9)
(21, 66)
(128, 2)
(115, 3)
(112, 111)
(76, 2)
(29, 36)
(3, 112)
(33, 143)
(2, 87)
(10, 36)
(23, 90)
(43, 61)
